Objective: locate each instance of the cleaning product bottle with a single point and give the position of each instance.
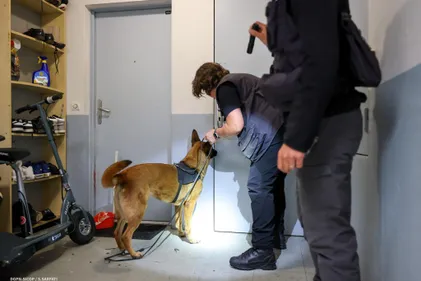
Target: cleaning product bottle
(42, 76)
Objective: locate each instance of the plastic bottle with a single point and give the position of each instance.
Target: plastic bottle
(15, 45)
(42, 76)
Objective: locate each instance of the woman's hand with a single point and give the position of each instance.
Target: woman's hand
(262, 34)
(210, 137)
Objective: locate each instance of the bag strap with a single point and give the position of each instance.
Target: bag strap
(345, 10)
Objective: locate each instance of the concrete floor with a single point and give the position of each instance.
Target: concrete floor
(173, 260)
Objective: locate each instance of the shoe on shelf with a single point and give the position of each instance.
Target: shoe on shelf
(60, 124)
(36, 33)
(54, 170)
(28, 127)
(38, 172)
(45, 169)
(253, 259)
(37, 125)
(28, 172)
(17, 213)
(17, 125)
(55, 124)
(63, 5)
(47, 215)
(20, 167)
(14, 178)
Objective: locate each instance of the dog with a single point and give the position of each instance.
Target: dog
(166, 182)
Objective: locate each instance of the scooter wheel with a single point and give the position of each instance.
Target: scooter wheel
(82, 232)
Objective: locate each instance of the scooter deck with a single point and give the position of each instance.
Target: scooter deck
(8, 243)
(12, 246)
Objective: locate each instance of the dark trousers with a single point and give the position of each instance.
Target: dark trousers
(266, 191)
(324, 198)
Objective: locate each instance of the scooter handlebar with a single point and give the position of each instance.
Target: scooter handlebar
(52, 99)
(23, 109)
(47, 100)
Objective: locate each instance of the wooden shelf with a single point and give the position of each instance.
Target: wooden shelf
(41, 7)
(35, 135)
(39, 224)
(35, 88)
(34, 44)
(39, 180)
(18, 15)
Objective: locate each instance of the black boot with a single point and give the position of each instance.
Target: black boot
(254, 259)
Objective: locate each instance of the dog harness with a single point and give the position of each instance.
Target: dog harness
(186, 175)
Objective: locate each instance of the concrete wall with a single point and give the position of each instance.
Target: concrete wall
(394, 33)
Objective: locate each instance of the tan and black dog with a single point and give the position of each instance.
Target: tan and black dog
(166, 182)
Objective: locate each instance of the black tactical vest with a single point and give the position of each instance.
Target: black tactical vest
(261, 120)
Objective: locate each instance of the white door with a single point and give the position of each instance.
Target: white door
(232, 202)
(132, 68)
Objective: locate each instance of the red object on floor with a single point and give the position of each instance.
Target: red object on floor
(104, 220)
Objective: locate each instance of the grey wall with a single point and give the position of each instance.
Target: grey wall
(398, 115)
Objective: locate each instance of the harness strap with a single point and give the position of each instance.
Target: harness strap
(178, 193)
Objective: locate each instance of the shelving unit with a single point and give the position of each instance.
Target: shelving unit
(35, 135)
(17, 16)
(39, 7)
(39, 180)
(48, 91)
(34, 44)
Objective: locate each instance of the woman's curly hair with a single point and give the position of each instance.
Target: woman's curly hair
(207, 78)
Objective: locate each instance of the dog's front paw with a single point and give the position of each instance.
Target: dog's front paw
(192, 240)
(137, 255)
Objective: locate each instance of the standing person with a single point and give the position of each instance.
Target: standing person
(324, 126)
(259, 128)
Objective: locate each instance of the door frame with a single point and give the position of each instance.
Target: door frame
(94, 10)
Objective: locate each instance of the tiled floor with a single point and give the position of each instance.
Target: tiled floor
(173, 260)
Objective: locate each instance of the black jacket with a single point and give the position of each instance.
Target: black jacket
(306, 40)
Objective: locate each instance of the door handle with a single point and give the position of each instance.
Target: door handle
(100, 110)
(104, 110)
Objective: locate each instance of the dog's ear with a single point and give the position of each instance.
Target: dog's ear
(194, 137)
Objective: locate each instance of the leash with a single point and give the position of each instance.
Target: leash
(125, 253)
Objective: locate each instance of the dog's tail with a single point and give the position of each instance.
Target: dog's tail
(110, 178)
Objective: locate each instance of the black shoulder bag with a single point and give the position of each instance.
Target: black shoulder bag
(363, 63)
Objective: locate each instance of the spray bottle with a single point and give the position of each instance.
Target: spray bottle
(42, 76)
